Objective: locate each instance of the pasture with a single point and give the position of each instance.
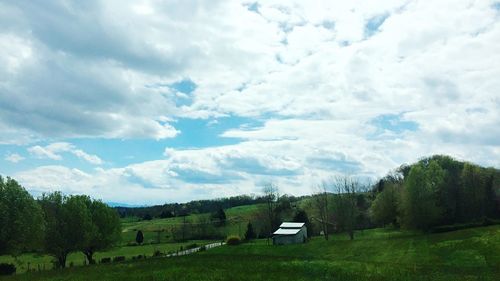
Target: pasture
(378, 254)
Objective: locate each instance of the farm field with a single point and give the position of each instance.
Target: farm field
(378, 254)
(237, 218)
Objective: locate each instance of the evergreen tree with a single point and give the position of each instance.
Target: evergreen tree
(249, 234)
(139, 238)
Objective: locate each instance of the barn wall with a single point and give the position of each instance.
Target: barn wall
(291, 239)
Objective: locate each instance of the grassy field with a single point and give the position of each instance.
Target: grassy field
(379, 254)
(34, 261)
(237, 218)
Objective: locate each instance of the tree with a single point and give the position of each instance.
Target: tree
(139, 237)
(345, 203)
(249, 234)
(105, 231)
(21, 219)
(384, 209)
(271, 196)
(301, 216)
(419, 205)
(67, 223)
(321, 202)
(220, 217)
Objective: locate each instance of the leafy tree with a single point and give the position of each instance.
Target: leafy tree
(219, 217)
(105, 230)
(166, 214)
(147, 217)
(384, 209)
(21, 220)
(67, 222)
(139, 238)
(420, 209)
(250, 234)
(301, 216)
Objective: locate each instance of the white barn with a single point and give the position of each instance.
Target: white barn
(290, 233)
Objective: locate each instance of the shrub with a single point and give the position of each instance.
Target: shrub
(105, 260)
(138, 257)
(203, 248)
(118, 258)
(7, 269)
(233, 240)
(157, 253)
(191, 246)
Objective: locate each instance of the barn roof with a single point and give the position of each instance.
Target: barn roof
(292, 225)
(284, 231)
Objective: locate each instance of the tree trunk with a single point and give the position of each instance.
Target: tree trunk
(89, 254)
(351, 234)
(62, 260)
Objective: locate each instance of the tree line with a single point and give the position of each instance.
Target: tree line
(192, 207)
(437, 191)
(54, 224)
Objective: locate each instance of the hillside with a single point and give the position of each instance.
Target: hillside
(378, 254)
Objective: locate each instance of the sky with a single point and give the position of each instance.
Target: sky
(148, 102)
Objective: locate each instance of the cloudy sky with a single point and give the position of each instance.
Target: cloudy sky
(145, 102)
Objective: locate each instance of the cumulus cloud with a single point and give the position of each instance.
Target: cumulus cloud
(337, 87)
(14, 158)
(52, 151)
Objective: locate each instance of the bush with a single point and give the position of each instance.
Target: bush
(203, 248)
(138, 257)
(157, 253)
(191, 246)
(118, 258)
(105, 260)
(7, 269)
(233, 240)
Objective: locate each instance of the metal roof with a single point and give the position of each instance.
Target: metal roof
(284, 231)
(292, 225)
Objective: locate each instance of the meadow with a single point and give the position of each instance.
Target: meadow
(236, 224)
(377, 254)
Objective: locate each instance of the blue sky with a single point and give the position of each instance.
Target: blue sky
(146, 102)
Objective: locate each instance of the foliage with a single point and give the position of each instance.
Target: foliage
(420, 209)
(384, 209)
(7, 269)
(67, 223)
(219, 217)
(250, 233)
(105, 229)
(21, 220)
(233, 240)
(139, 238)
(301, 216)
(119, 258)
(105, 260)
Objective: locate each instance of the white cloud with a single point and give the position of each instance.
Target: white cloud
(309, 71)
(52, 151)
(14, 158)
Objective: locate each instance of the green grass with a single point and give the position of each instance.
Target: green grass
(35, 261)
(237, 219)
(379, 254)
